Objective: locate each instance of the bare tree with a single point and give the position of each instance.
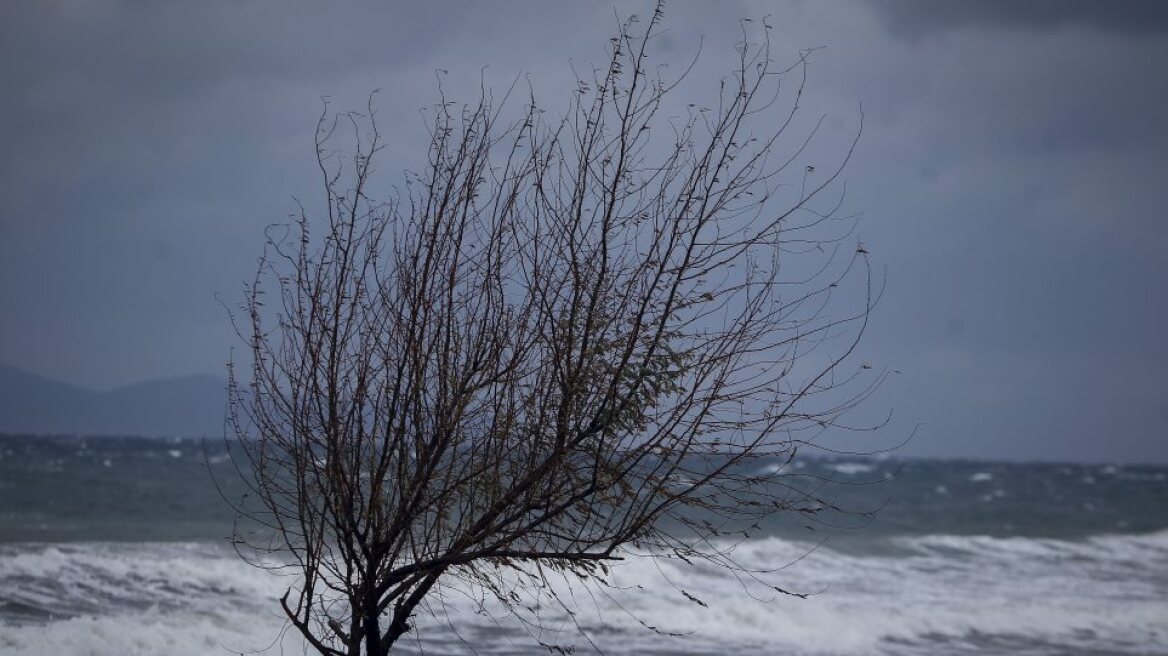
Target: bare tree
(563, 339)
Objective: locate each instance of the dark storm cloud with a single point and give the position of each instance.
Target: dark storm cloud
(145, 149)
(913, 19)
(1011, 174)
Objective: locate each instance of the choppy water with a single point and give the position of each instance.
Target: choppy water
(117, 546)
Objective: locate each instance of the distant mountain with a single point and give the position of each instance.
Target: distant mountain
(189, 406)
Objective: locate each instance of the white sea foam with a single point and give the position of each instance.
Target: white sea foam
(218, 459)
(1107, 591)
(930, 594)
(150, 632)
(851, 468)
(104, 598)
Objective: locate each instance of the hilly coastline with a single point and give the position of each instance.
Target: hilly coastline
(187, 406)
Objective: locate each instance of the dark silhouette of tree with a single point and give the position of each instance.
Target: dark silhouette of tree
(561, 340)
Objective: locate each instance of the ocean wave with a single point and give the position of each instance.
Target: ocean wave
(946, 594)
(150, 632)
(852, 468)
(1147, 548)
(931, 594)
(68, 580)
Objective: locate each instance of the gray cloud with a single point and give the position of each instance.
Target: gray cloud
(911, 19)
(1011, 177)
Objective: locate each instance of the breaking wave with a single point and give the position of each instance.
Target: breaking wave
(926, 594)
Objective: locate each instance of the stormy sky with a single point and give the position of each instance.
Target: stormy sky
(1011, 175)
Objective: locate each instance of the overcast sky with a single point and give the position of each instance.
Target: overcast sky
(1012, 177)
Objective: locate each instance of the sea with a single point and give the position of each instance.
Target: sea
(121, 546)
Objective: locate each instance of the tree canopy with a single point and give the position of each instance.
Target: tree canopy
(565, 337)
